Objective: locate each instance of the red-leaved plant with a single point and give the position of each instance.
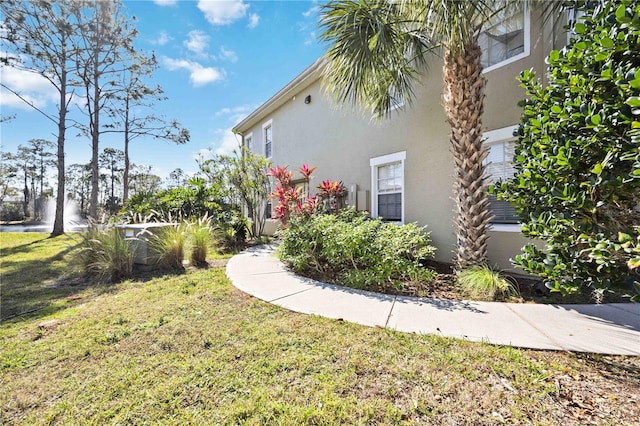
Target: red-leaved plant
(295, 200)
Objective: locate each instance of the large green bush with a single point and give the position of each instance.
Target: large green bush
(354, 250)
(577, 185)
(193, 200)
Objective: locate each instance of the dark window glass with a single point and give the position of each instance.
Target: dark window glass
(390, 207)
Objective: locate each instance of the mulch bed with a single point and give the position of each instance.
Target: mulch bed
(444, 286)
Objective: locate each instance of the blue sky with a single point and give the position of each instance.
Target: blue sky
(219, 60)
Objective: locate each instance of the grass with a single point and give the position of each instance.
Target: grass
(32, 267)
(484, 283)
(106, 253)
(200, 240)
(191, 349)
(167, 245)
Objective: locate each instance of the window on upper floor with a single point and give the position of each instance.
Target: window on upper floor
(499, 166)
(507, 37)
(267, 129)
(387, 180)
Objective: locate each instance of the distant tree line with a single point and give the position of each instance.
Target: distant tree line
(26, 190)
(85, 50)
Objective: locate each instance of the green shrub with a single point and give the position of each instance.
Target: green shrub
(232, 234)
(484, 283)
(10, 211)
(354, 250)
(106, 254)
(577, 159)
(167, 246)
(194, 199)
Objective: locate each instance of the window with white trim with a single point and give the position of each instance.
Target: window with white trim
(387, 183)
(267, 130)
(499, 167)
(248, 141)
(507, 37)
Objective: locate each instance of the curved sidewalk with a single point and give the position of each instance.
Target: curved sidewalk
(607, 329)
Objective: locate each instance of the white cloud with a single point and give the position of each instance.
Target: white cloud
(31, 86)
(253, 20)
(236, 114)
(313, 10)
(311, 39)
(162, 39)
(225, 12)
(228, 142)
(165, 2)
(199, 75)
(198, 42)
(228, 55)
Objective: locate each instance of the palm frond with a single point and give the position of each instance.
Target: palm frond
(375, 53)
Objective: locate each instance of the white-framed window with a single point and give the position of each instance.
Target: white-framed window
(507, 37)
(248, 142)
(499, 166)
(267, 131)
(387, 186)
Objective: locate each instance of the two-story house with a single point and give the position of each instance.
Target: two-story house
(401, 168)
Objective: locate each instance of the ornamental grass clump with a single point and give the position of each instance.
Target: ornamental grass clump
(200, 239)
(167, 246)
(106, 254)
(484, 283)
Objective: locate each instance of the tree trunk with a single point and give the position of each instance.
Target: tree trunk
(58, 222)
(125, 176)
(463, 100)
(25, 192)
(95, 149)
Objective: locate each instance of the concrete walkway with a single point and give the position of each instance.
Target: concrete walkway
(607, 329)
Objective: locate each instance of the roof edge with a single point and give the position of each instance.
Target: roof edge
(274, 101)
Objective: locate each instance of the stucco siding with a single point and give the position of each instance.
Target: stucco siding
(341, 141)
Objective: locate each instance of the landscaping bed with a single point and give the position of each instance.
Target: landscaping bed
(444, 286)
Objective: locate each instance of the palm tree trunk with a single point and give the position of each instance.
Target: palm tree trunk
(463, 99)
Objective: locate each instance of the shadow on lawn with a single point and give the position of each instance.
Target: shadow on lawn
(623, 370)
(35, 284)
(22, 248)
(39, 287)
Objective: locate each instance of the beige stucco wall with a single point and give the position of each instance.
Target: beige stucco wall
(342, 140)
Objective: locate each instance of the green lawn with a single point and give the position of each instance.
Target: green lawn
(191, 349)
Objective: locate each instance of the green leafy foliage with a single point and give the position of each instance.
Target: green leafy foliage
(577, 185)
(356, 251)
(484, 283)
(194, 200)
(232, 235)
(243, 176)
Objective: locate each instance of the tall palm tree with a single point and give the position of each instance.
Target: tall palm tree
(377, 49)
